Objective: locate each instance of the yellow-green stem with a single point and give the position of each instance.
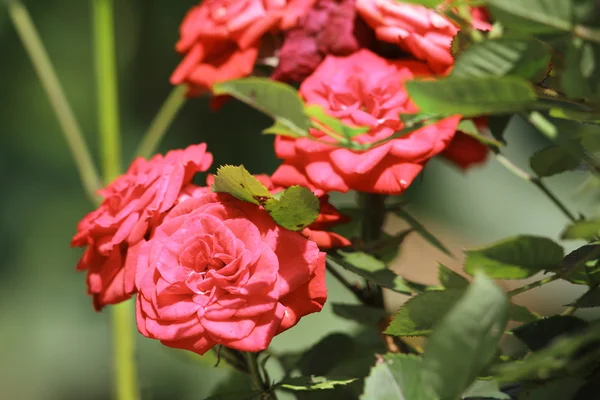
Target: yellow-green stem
(126, 383)
(107, 88)
(66, 118)
(162, 121)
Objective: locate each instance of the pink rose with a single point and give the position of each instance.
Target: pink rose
(414, 28)
(221, 38)
(362, 89)
(220, 271)
(133, 205)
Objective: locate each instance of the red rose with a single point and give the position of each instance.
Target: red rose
(220, 271)
(133, 205)
(328, 28)
(318, 231)
(416, 29)
(465, 151)
(220, 38)
(362, 89)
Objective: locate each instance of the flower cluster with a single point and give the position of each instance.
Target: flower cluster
(211, 269)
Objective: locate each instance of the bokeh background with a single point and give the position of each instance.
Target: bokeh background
(53, 346)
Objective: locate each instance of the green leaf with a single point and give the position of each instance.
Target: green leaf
(564, 354)
(419, 314)
(553, 160)
(239, 395)
(359, 313)
(372, 269)
(518, 257)
(450, 279)
(581, 267)
(330, 351)
(278, 100)
(575, 115)
(472, 96)
(468, 127)
(422, 231)
(398, 377)
(305, 383)
(426, 3)
(466, 340)
(315, 111)
(589, 299)
(533, 16)
(503, 56)
(560, 389)
(587, 230)
(539, 334)
(521, 314)
(487, 389)
(579, 77)
(238, 182)
(295, 208)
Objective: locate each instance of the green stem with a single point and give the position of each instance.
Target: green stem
(106, 86)
(257, 380)
(509, 165)
(533, 285)
(124, 351)
(126, 382)
(162, 121)
(373, 206)
(66, 118)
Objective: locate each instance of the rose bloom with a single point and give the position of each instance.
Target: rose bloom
(362, 89)
(465, 151)
(220, 271)
(133, 205)
(416, 29)
(220, 39)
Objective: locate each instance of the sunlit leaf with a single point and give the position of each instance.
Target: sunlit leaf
(486, 389)
(238, 182)
(515, 258)
(294, 208)
(305, 383)
(586, 229)
(278, 100)
(398, 377)
(533, 16)
(466, 340)
(450, 279)
(472, 96)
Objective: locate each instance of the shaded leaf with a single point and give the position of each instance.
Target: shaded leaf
(521, 314)
(539, 334)
(313, 383)
(589, 299)
(326, 354)
(472, 96)
(487, 389)
(295, 208)
(503, 56)
(422, 231)
(586, 230)
(560, 389)
(278, 100)
(515, 258)
(450, 279)
(372, 269)
(359, 313)
(581, 267)
(533, 16)
(238, 182)
(398, 377)
(239, 395)
(419, 314)
(553, 160)
(466, 340)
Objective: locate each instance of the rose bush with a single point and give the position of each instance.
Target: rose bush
(362, 89)
(133, 205)
(220, 39)
(220, 271)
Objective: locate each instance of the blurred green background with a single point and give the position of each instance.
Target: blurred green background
(52, 344)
